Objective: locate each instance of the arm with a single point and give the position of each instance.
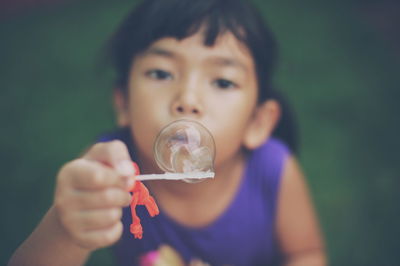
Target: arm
(297, 225)
(49, 244)
(85, 216)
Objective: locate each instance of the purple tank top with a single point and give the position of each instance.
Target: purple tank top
(242, 235)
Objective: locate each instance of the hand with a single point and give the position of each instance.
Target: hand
(90, 193)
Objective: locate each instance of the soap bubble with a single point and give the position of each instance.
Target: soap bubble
(185, 146)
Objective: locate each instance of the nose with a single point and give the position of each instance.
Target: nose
(187, 102)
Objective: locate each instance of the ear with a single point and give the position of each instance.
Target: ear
(262, 123)
(121, 108)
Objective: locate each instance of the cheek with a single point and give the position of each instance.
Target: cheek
(227, 145)
(142, 121)
(228, 132)
(144, 102)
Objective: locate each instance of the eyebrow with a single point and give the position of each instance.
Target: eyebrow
(160, 51)
(224, 61)
(228, 62)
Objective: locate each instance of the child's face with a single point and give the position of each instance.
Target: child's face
(173, 79)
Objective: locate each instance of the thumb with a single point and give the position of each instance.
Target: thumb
(114, 154)
(136, 168)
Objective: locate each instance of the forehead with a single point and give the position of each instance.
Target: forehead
(227, 50)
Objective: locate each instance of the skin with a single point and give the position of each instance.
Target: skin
(85, 215)
(185, 79)
(216, 86)
(173, 79)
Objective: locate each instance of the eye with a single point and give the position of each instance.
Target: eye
(159, 74)
(225, 84)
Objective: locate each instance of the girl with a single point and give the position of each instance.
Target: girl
(210, 61)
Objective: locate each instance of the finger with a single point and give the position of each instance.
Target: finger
(99, 219)
(90, 175)
(114, 154)
(106, 198)
(102, 237)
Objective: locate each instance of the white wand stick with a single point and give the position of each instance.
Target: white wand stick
(176, 176)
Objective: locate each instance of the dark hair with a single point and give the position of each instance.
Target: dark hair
(152, 20)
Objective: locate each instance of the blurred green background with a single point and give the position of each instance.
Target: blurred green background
(339, 67)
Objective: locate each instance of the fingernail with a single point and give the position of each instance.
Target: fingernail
(125, 168)
(130, 183)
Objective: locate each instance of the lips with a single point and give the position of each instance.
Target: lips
(184, 146)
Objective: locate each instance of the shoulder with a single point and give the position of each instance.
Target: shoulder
(273, 148)
(122, 134)
(269, 159)
(265, 169)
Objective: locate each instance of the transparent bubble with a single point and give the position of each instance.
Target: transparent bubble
(185, 146)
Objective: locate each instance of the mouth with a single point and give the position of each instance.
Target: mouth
(183, 131)
(182, 137)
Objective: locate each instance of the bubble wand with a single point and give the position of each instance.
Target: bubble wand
(185, 150)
